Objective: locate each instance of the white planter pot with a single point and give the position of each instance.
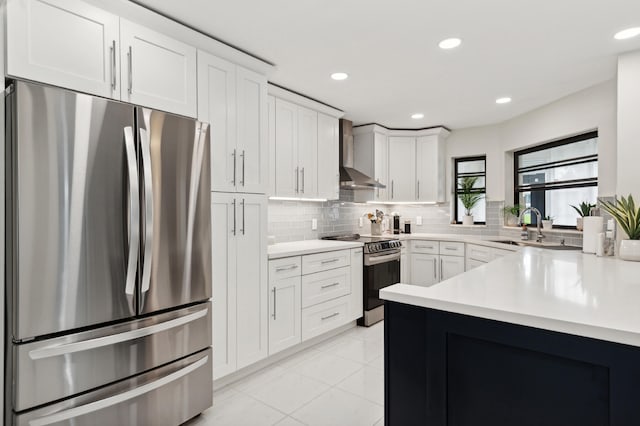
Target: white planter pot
(547, 224)
(376, 228)
(629, 250)
(467, 220)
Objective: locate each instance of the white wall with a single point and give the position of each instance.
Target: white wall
(589, 109)
(628, 170)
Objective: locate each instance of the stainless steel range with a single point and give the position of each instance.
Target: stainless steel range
(381, 268)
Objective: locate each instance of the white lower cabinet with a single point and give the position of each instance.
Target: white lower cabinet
(425, 269)
(324, 317)
(240, 301)
(405, 269)
(450, 266)
(284, 313)
(477, 255)
(357, 290)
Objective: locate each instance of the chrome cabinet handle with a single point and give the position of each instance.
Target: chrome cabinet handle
(329, 285)
(242, 181)
(233, 231)
(435, 277)
(378, 180)
(425, 247)
(451, 248)
(243, 224)
(145, 145)
(130, 60)
(335, 314)
(441, 266)
(302, 172)
(113, 65)
(274, 302)
(392, 188)
(418, 190)
(296, 180)
(324, 262)
(286, 268)
(134, 212)
(234, 167)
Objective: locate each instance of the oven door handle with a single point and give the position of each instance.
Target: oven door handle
(376, 260)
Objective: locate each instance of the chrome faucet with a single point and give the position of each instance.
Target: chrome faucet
(539, 237)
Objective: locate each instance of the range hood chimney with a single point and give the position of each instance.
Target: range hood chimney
(351, 178)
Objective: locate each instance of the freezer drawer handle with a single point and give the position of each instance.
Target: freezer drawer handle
(69, 348)
(148, 208)
(134, 211)
(119, 398)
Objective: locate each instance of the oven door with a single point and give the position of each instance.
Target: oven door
(380, 271)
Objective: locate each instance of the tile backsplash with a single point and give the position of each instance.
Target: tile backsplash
(291, 220)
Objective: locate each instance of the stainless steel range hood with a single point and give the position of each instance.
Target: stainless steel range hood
(351, 178)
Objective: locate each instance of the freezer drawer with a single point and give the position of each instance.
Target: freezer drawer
(168, 395)
(48, 370)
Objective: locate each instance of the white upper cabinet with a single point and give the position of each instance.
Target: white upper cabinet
(303, 139)
(65, 43)
(158, 71)
(371, 157)
(72, 44)
(234, 101)
(402, 168)
(328, 173)
(430, 169)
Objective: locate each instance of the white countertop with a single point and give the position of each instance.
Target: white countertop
(297, 248)
(483, 240)
(565, 291)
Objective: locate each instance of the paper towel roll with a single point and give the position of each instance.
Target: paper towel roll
(592, 226)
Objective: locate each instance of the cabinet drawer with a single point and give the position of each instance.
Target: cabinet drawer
(451, 248)
(324, 317)
(498, 253)
(327, 285)
(473, 263)
(319, 262)
(427, 247)
(284, 268)
(480, 253)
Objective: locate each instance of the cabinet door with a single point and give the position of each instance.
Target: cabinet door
(253, 160)
(157, 71)
(251, 278)
(284, 314)
(450, 266)
(286, 153)
(402, 168)
(328, 157)
(66, 43)
(381, 165)
(271, 102)
(223, 224)
(217, 106)
(308, 152)
(405, 267)
(356, 299)
(425, 269)
(427, 168)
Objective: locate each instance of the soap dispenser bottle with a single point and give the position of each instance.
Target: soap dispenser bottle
(524, 233)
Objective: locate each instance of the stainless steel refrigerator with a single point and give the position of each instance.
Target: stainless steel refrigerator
(108, 262)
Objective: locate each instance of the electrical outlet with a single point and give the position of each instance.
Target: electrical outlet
(314, 224)
(360, 222)
(419, 220)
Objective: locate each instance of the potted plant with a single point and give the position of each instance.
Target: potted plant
(583, 210)
(547, 222)
(511, 214)
(468, 198)
(628, 218)
(376, 221)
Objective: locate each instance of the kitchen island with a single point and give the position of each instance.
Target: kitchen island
(538, 337)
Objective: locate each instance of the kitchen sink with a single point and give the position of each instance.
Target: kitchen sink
(535, 244)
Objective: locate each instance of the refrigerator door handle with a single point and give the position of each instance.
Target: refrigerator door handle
(91, 407)
(134, 212)
(99, 342)
(148, 210)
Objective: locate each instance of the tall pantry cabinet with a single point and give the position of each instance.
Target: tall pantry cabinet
(234, 100)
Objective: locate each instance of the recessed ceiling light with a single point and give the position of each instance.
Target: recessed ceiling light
(449, 43)
(339, 76)
(417, 116)
(504, 100)
(628, 33)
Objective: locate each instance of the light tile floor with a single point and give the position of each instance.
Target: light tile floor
(337, 382)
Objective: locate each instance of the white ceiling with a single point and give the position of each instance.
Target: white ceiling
(533, 51)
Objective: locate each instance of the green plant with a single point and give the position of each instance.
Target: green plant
(468, 198)
(626, 214)
(512, 210)
(584, 209)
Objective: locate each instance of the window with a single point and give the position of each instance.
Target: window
(556, 175)
(471, 167)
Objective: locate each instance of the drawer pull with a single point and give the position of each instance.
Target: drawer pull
(324, 262)
(330, 285)
(335, 314)
(286, 268)
(427, 247)
(450, 248)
